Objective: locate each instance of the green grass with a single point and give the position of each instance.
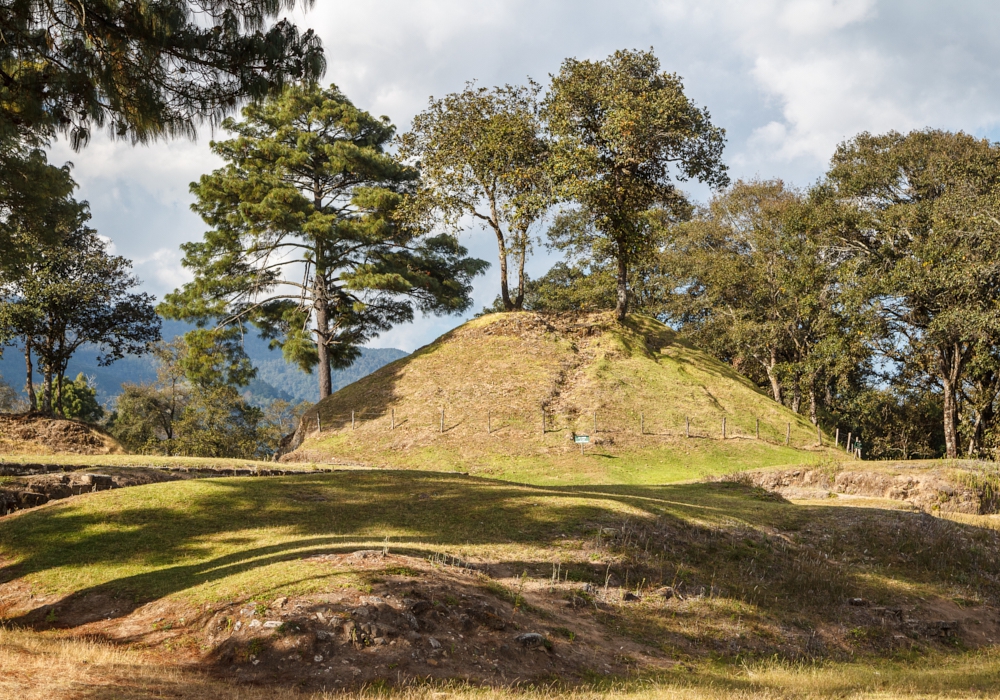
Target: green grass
(97, 461)
(494, 376)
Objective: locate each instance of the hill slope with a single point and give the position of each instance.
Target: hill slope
(495, 376)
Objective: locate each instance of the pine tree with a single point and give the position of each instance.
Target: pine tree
(305, 241)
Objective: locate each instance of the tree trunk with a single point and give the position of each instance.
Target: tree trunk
(796, 397)
(951, 358)
(813, 409)
(773, 377)
(621, 294)
(322, 349)
(32, 400)
(518, 304)
(47, 390)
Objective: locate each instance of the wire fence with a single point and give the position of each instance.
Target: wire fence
(722, 427)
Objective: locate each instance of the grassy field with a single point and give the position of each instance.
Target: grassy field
(652, 405)
(767, 580)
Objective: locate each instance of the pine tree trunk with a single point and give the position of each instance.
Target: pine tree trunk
(951, 360)
(621, 293)
(322, 349)
(29, 370)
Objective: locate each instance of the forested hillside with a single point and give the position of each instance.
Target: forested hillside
(276, 379)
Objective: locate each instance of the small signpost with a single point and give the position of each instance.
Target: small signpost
(581, 440)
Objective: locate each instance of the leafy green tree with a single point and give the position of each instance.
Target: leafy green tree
(217, 422)
(482, 154)
(142, 68)
(623, 131)
(305, 240)
(78, 400)
(758, 284)
(925, 229)
(69, 295)
(10, 399)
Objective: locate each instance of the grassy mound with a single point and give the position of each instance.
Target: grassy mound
(30, 434)
(658, 404)
(657, 581)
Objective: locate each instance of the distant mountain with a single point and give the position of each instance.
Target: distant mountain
(276, 379)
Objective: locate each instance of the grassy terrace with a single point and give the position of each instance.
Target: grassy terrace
(772, 566)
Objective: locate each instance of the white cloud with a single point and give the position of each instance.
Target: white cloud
(788, 79)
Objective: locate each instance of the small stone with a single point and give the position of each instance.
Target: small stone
(323, 636)
(858, 602)
(379, 641)
(530, 640)
(432, 662)
(435, 644)
(630, 597)
(254, 624)
(318, 658)
(271, 624)
(280, 602)
(666, 592)
(238, 626)
(255, 662)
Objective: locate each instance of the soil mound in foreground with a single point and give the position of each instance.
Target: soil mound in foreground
(28, 433)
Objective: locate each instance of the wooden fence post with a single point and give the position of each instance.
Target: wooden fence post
(848, 445)
(788, 433)
(392, 424)
(642, 423)
(442, 420)
(687, 426)
(543, 421)
(352, 420)
(595, 421)
(819, 436)
(489, 422)
(836, 438)
(723, 427)
(319, 426)
(758, 428)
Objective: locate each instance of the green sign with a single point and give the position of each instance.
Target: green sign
(581, 438)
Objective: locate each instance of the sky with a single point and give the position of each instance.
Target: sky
(787, 79)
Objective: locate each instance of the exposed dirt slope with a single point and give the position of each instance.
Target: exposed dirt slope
(33, 434)
(497, 378)
(953, 487)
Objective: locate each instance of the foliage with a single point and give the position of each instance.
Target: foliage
(143, 69)
(217, 422)
(10, 398)
(78, 400)
(306, 242)
(482, 153)
(622, 132)
(70, 294)
(923, 221)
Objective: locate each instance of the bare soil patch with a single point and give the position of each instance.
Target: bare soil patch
(28, 433)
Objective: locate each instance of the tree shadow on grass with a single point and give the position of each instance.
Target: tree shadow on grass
(141, 544)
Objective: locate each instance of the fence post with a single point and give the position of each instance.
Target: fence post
(758, 428)
(788, 433)
(442, 420)
(489, 422)
(543, 421)
(848, 445)
(319, 427)
(595, 421)
(836, 438)
(723, 427)
(642, 423)
(687, 426)
(819, 436)
(392, 424)
(352, 420)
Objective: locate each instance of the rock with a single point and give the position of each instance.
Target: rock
(420, 607)
(630, 597)
(435, 644)
(323, 636)
(318, 658)
(857, 602)
(666, 592)
(254, 624)
(280, 602)
(238, 626)
(272, 624)
(530, 640)
(411, 620)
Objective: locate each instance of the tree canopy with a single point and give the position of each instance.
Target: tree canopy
(623, 131)
(306, 242)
